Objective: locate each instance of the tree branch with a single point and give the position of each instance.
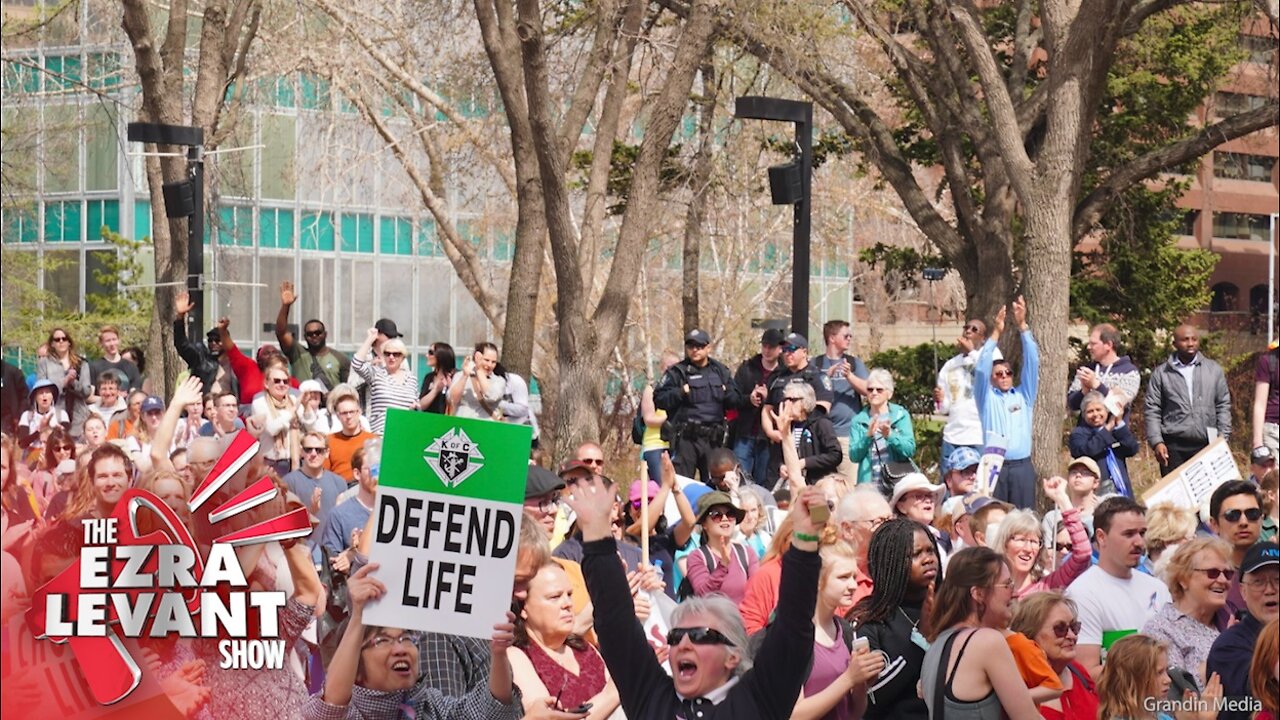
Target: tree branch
(584, 95)
(1091, 209)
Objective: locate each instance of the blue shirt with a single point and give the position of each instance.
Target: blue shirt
(1008, 413)
(331, 486)
(847, 401)
(345, 517)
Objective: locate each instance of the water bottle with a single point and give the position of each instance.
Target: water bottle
(373, 456)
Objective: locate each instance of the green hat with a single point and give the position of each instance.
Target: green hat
(714, 499)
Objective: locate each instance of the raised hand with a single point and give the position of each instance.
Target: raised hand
(287, 294)
(999, 324)
(800, 504)
(182, 304)
(504, 634)
(224, 324)
(1020, 312)
(188, 393)
(1055, 488)
(361, 588)
(592, 502)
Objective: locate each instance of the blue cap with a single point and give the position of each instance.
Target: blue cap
(1260, 556)
(961, 458)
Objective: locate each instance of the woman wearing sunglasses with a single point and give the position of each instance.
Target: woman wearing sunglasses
(1198, 575)
(1049, 620)
(711, 674)
(57, 448)
(392, 384)
(720, 565)
(64, 367)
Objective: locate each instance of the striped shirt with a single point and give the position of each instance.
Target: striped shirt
(386, 391)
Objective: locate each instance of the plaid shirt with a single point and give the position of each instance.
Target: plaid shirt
(453, 664)
(422, 702)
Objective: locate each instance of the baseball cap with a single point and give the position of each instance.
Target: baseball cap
(973, 502)
(1087, 462)
(1261, 455)
(1260, 556)
(697, 337)
(66, 467)
(152, 404)
(961, 458)
(307, 386)
(634, 494)
(387, 327)
(796, 340)
(213, 335)
(772, 336)
(541, 481)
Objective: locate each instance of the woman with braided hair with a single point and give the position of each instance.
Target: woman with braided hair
(904, 563)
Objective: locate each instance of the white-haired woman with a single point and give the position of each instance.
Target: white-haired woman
(391, 385)
(811, 434)
(1199, 575)
(882, 431)
(1020, 539)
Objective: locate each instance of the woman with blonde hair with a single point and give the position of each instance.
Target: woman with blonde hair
(69, 373)
(1167, 526)
(1019, 540)
(1136, 675)
(391, 384)
(1199, 575)
(1049, 619)
(277, 410)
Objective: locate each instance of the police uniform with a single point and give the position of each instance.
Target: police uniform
(696, 421)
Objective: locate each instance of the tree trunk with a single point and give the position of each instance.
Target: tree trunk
(694, 219)
(1047, 294)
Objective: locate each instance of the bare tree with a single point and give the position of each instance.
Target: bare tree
(227, 31)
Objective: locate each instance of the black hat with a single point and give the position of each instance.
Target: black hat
(1260, 556)
(796, 340)
(214, 334)
(697, 337)
(540, 482)
(387, 327)
(772, 337)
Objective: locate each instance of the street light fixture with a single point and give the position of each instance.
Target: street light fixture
(789, 184)
(184, 199)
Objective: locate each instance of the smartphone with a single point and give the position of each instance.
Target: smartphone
(860, 645)
(582, 709)
(820, 513)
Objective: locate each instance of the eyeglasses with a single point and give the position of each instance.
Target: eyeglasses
(1026, 541)
(1007, 585)
(718, 515)
(1262, 582)
(1063, 547)
(546, 504)
(1251, 514)
(379, 642)
(1215, 573)
(1060, 629)
(698, 636)
(392, 354)
(279, 381)
(316, 332)
(876, 522)
(1002, 373)
(876, 390)
(787, 399)
(310, 450)
(62, 338)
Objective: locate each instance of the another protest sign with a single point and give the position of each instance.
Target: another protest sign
(1195, 480)
(447, 522)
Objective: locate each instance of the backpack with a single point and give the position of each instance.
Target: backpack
(685, 591)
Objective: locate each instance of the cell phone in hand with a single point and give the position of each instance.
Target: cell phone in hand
(582, 709)
(860, 645)
(819, 513)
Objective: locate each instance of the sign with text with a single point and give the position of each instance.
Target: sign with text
(447, 522)
(1194, 481)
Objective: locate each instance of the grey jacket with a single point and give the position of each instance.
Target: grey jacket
(1173, 416)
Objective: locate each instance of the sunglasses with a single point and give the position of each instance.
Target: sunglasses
(279, 381)
(790, 348)
(1002, 373)
(310, 450)
(693, 346)
(790, 399)
(1063, 547)
(592, 461)
(1060, 629)
(698, 636)
(314, 333)
(431, 352)
(64, 448)
(392, 353)
(64, 338)
(875, 390)
(1215, 573)
(1252, 515)
(718, 515)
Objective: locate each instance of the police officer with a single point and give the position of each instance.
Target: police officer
(798, 369)
(695, 392)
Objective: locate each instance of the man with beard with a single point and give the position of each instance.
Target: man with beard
(1187, 402)
(320, 362)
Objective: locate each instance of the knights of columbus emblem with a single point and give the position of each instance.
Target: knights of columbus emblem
(453, 457)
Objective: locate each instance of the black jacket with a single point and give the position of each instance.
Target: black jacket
(893, 694)
(203, 363)
(712, 390)
(766, 692)
(819, 450)
(751, 373)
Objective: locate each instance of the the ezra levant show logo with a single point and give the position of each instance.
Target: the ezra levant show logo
(141, 575)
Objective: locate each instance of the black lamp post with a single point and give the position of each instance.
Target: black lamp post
(789, 184)
(184, 199)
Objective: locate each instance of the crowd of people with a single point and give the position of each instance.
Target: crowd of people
(799, 562)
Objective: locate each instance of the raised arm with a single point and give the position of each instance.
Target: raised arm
(361, 363)
(340, 675)
(287, 298)
(186, 394)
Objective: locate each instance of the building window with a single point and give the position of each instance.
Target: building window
(357, 233)
(1259, 49)
(235, 226)
(1242, 166)
(1187, 223)
(275, 228)
(62, 221)
(395, 236)
(1229, 103)
(317, 231)
(1241, 226)
(102, 213)
(1226, 298)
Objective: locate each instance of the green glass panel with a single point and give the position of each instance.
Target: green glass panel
(20, 77)
(62, 221)
(317, 231)
(235, 226)
(141, 219)
(357, 233)
(278, 176)
(61, 148)
(315, 92)
(20, 225)
(503, 246)
(470, 232)
(104, 70)
(395, 236)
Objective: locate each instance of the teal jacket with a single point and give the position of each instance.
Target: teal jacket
(902, 440)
